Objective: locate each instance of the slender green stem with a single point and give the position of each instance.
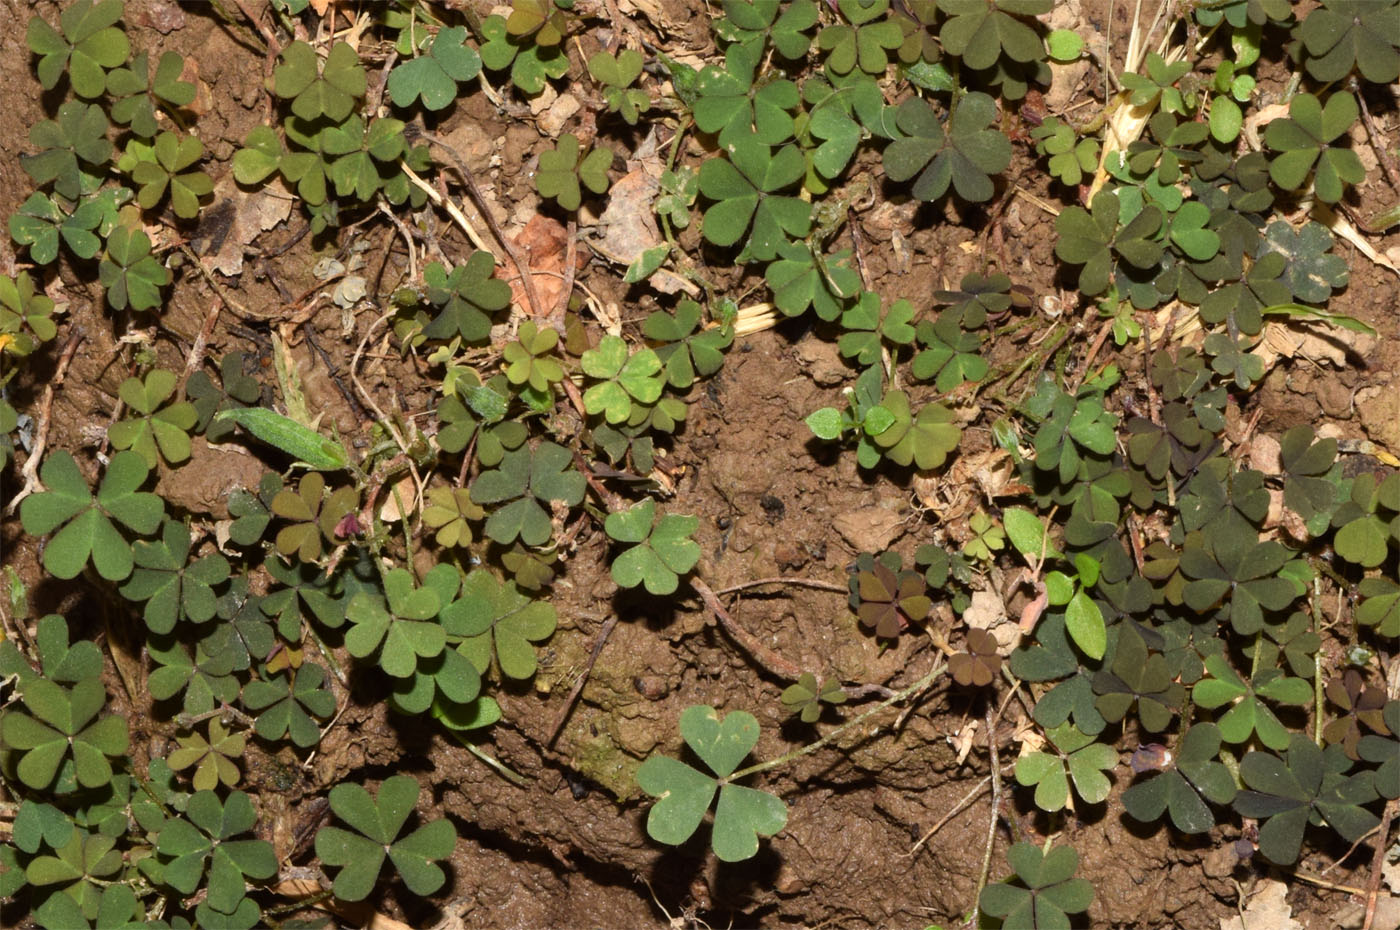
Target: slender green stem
(1317, 671)
(813, 747)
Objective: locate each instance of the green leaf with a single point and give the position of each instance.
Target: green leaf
(378, 823)
(89, 44)
(128, 272)
(77, 136)
(494, 617)
(318, 89)
(466, 297)
(1304, 143)
(964, 154)
(434, 75)
(306, 446)
(87, 528)
(745, 188)
(684, 794)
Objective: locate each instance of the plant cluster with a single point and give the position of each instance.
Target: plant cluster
(1207, 638)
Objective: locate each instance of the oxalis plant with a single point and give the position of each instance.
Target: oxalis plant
(1188, 673)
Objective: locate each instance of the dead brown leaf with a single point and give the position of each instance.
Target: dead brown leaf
(543, 242)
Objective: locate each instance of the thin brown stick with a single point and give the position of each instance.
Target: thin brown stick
(263, 30)
(1378, 142)
(522, 268)
(957, 808)
(577, 689)
(1373, 887)
(770, 660)
(30, 471)
(570, 261)
(201, 343)
(996, 806)
(796, 582)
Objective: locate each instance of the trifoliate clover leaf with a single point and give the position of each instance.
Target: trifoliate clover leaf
(397, 628)
(1051, 893)
(622, 378)
(980, 32)
(212, 759)
(235, 389)
(678, 190)
(802, 277)
(1073, 756)
(659, 554)
(174, 588)
(1137, 678)
(159, 430)
(304, 593)
(1360, 705)
(287, 705)
(733, 104)
(447, 511)
(949, 357)
(200, 847)
(686, 349)
(1248, 714)
(312, 516)
(1347, 34)
(377, 824)
(805, 698)
(40, 221)
(87, 528)
(318, 89)
(26, 315)
(129, 273)
(888, 601)
(564, 167)
(164, 171)
(869, 328)
(978, 664)
(61, 741)
(366, 153)
(684, 794)
(865, 42)
(140, 94)
(465, 298)
(1304, 142)
(205, 679)
(1093, 238)
(433, 76)
(745, 190)
(976, 297)
(77, 136)
(525, 482)
(1262, 286)
(965, 154)
(1311, 270)
(1194, 777)
(78, 870)
(1306, 786)
(616, 73)
(922, 439)
(90, 43)
(491, 616)
(750, 22)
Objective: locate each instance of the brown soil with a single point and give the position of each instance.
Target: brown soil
(568, 849)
